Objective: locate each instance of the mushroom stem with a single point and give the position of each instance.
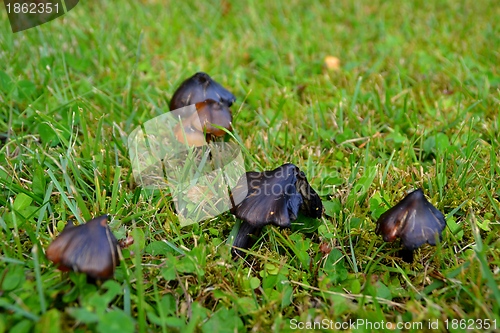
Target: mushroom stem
(243, 239)
(406, 255)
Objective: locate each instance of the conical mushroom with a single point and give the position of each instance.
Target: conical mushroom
(199, 88)
(414, 219)
(272, 197)
(90, 248)
(212, 103)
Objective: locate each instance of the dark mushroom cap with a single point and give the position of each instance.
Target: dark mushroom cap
(311, 205)
(199, 88)
(414, 219)
(275, 197)
(90, 248)
(214, 113)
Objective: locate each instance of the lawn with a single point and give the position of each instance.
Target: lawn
(414, 104)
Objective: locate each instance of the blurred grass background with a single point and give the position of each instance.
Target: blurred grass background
(414, 103)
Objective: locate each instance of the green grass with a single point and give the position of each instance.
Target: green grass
(415, 104)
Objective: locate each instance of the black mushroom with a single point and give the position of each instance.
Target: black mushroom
(415, 220)
(90, 248)
(199, 88)
(212, 116)
(272, 197)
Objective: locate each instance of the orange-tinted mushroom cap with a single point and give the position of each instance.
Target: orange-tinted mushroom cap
(213, 113)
